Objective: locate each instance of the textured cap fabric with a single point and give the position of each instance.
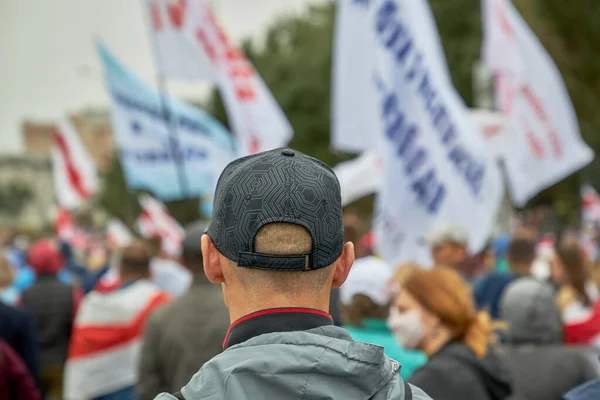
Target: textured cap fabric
(447, 234)
(280, 185)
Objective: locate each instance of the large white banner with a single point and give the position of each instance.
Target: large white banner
(176, 49)
(546, 145)
(256, 119)
(352, 91)
(437, 167)
(175, 156)
(360, 176)
(363, 175)
(74, 171)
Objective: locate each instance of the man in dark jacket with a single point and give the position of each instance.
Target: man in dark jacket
(180, 337)
(53, 306)
(17, 330)
(275, 245)
(543, 367)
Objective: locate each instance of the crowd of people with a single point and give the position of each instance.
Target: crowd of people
(284, 296)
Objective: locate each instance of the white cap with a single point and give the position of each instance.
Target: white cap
(370, 276)
(447, 233)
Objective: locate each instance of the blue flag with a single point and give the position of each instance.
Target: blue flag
(175, 154)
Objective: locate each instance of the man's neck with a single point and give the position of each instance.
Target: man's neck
(237, 311)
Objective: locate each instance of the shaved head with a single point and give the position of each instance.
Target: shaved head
(282, 239)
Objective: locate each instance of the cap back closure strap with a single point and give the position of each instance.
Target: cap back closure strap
(274, 262)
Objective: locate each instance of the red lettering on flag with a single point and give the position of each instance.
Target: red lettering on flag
(536, 147)
(540, 112)
(156, 18)
(491, 130)
(208, 47)
(254, 144)
(175, 11)
(503, 21)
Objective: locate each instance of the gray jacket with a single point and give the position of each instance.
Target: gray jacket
(321, 363)
(179, 338)
(543, 367)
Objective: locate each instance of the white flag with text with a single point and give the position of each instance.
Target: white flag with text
(177, 52)
(255, 117)
(546, 145)
(437, 168)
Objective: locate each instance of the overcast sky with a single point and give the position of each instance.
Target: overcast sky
(48, 65)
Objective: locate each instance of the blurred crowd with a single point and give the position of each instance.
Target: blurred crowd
(519, 320)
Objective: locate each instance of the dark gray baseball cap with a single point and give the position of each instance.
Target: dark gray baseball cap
(280, 185)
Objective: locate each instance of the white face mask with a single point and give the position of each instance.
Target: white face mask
(407, 327)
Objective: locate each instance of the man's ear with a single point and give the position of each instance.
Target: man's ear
(212, 261)
(343, 265)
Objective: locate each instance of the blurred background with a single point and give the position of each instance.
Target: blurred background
(50, 69)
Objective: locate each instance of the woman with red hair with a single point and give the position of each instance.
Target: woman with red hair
(435, 313)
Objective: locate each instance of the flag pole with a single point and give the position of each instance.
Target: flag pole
(165, 108)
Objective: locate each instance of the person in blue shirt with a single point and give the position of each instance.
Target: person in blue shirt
(89, 276)
(366, 297)
(489, 289)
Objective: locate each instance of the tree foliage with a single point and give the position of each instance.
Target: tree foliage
(13, 197)
(122, 202)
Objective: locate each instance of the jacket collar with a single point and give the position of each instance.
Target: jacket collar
(275, 320)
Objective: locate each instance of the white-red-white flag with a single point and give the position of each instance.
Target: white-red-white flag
(104, 350)
(156, 222)
(117, 234)
(66, 229)
(257, 120)
(75, 176)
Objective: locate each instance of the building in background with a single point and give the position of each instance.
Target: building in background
(26, 183)
(26, 192)
(93, 126)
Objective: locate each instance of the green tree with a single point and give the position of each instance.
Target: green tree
(115, 196)
(122, 203)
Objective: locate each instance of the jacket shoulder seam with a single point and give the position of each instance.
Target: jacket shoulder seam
(309, 344)
(326, 349)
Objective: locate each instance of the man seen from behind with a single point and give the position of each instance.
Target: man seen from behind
(275, 245)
